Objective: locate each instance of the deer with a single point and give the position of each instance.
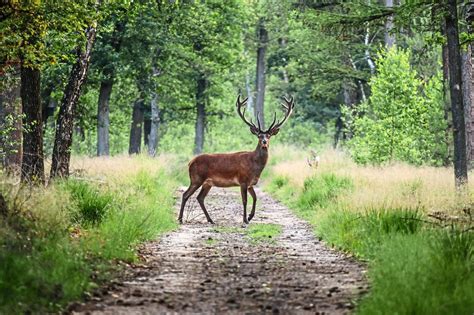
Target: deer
(234, 169)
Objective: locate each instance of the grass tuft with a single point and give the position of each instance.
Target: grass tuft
(263, 232)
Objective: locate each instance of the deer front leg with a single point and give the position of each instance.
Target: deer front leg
(192, 188)
(243, 191)
(202, 194)
(254, 197)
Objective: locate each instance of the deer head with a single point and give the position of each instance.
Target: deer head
(264, 135)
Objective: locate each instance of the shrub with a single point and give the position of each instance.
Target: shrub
(403, 119)
(92, 204)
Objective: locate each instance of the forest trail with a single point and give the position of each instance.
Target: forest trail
(217, 269)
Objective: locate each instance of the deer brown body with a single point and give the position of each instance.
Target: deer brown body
(232, 169)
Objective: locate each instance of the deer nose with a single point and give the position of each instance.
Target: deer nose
(264, 141)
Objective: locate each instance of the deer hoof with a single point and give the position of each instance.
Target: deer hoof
(246, 221)
(180, 221)
(210, 221)
(250, 218)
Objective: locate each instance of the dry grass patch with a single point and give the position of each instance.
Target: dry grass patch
(393, 186)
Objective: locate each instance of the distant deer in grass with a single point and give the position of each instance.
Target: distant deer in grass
(234, 169)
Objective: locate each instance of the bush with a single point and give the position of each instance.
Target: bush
(321, 189)
(92, 204)
(59, 242)
(403, 119)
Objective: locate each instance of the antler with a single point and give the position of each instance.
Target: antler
(241, 113)
(288, 106)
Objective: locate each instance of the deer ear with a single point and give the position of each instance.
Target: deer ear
(254, 130)
(275, 131)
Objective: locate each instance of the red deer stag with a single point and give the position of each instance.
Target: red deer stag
(234, 169)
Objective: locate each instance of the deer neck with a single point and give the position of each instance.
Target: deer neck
(261, 156)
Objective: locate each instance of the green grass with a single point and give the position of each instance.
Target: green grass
(263, 232)
(228, 229)
(414, 268)
(59, 242)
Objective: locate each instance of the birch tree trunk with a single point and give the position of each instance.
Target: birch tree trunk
(200, 113)
(261, 61)
(389, 36)
(154, 126)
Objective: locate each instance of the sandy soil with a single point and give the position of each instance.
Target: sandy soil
(201, 268)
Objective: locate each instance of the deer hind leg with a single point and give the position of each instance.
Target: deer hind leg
(243, 192)
(188, 193)
(254, 197)
(200, 198)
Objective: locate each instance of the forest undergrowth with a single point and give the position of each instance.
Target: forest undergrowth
(59, 243)
(406, 222)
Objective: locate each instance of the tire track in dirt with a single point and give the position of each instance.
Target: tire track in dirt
(201, 269)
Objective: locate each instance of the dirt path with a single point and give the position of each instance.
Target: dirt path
(216, 269)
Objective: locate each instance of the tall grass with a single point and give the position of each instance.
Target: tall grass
(380, 215)
(59, 242)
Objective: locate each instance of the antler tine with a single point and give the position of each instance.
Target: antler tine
(273, 123)
(289, 109)
(242, 114)
(258, 121)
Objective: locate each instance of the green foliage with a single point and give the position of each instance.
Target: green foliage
(412, 274)
(320, 190)
(403, 119)
(90, 201)
(413, 267)
(51, 253)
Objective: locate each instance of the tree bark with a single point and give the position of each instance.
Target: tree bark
(65, 123)
(389, 36)
(136, 128)
(146, 126)
(154, 126)
(103, 121)
(467, 99)
(455, 83)
(32, 168)
(11, 125)
(447, 101)
(261, 61)
(200, 113)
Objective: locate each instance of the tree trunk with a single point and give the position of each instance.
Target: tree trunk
(65, 123)
(261, 60)
(201, 113)
(103, 117)
(136, 128)
(146, 126)
(467, 93)
(32, 168)
(154, 126)
(447, 101)
(389, 36)
(250, 95)
(11, 126)
(469, 9)
(455, 83)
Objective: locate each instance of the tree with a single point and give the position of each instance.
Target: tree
(41, 27)
(397, 122)
(262, 43)
(455, 87)
(65, 123)
(10, 121)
